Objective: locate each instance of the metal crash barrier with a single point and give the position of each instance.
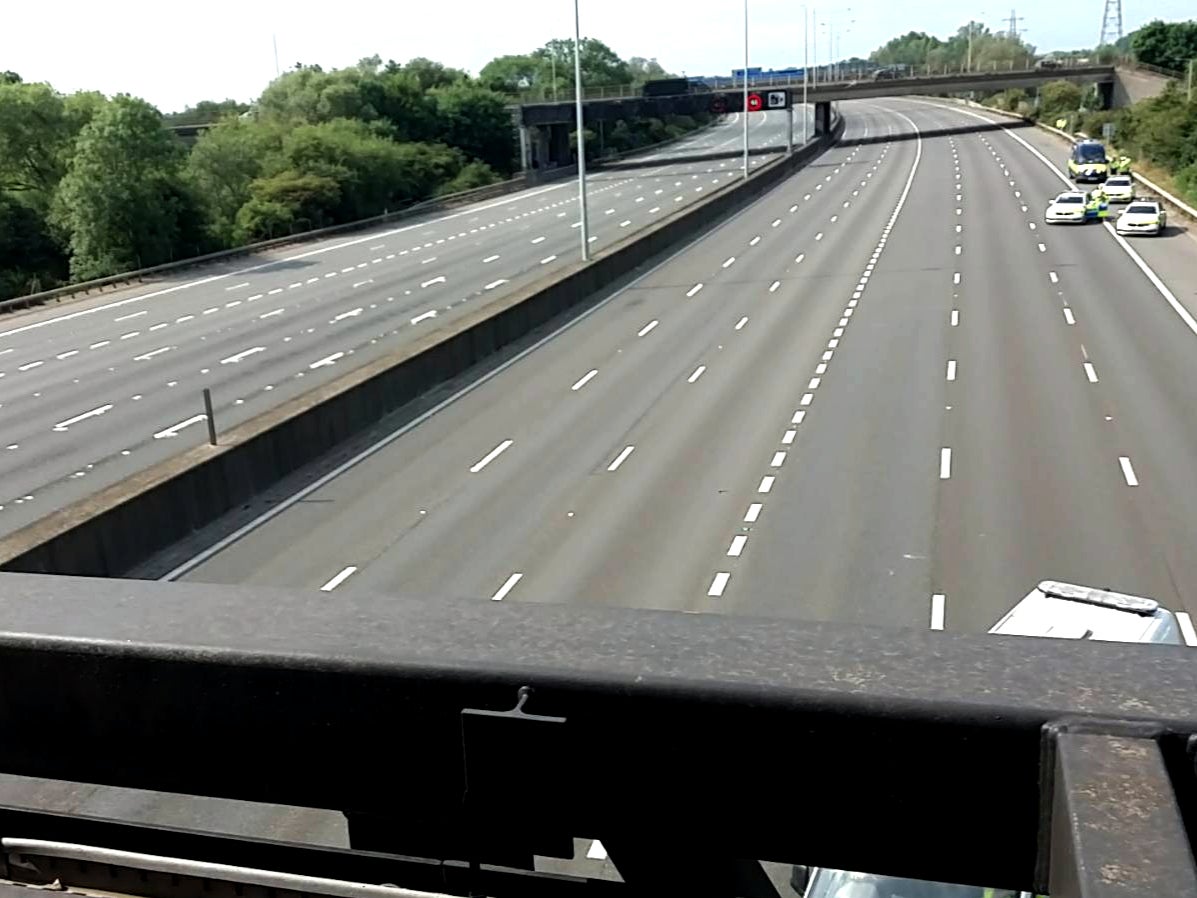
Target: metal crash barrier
(463, 738)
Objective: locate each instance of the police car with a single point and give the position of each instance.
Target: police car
(1088, 161)
(1076, 207)
(1142, 217)
(1119, 188)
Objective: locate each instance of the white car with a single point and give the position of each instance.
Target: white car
(1119, 189)
(1069, 206)
(1142, 217)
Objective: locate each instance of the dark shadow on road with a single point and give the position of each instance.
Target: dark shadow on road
(925, 133)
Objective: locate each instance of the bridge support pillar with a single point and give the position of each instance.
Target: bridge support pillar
(789, 130)
(525, 150)
(822, 118)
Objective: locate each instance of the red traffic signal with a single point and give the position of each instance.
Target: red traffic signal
(754, 103)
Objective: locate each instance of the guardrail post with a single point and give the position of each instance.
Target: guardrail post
(208, 414)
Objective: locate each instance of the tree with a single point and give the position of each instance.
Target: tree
(1058, 98)
(1169, 45)
(910, 49)
(600, 64)
(9, 78)
(223, 165)
(30, 260)
(34, 137)
(429, 75)
(512, 73)
(123, 201)
(288, 198)
(476, 121)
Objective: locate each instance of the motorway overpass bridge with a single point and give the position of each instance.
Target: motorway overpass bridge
(545, 128)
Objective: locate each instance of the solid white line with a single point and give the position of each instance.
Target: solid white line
(327, 360)
(647, 328)
(945, 463)
(584, 379)
(500, 282)
(697, 373)
(619, 459)
(731, 260)
(1128, 471)
(937, 609)
(737, 545)
(173, 430)
(719, 584)
(1186, 627)
(1068, 316)
(951, 369)
(94, 413)
(766, 484)
(233, 359)
(134, 315)
(339, 579)
(1090, 372)
(508, 585)
(491, 456)
(955, 317)
(149, 355)
(693, 290)
(754, 512)
(437, 280)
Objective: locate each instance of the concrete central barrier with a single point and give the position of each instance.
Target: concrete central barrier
(110, 533)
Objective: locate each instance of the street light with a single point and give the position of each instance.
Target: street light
(969, 64)
(805, 70)
(745, 89)
(581, 134)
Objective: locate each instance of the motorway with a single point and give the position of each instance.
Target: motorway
(96, 390)
(884, 393)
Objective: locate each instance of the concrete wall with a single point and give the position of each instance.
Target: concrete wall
(1133, 85)
(110, 533)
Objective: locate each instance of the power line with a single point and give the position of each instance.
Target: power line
(1012, 29)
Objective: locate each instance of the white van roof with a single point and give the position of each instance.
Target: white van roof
(1070, 611)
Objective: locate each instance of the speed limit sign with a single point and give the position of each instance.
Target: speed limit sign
(777, 99)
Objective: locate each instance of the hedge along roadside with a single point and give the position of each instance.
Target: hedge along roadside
(436, 204)
(111, 532)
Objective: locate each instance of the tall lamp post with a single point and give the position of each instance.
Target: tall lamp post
(581, 135)
(745, 88)
(805, 70)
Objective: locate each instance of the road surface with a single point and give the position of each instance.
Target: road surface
(93, 391)
(885, 394)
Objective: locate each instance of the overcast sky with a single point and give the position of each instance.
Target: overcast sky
(175, 54)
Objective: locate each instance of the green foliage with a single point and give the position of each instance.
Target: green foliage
(223, 165)
(473, 174)
(30, 259)
(1169, 45)
(34, 138)
(476, 121)
(910, 49)
(990, 51)
(1058, 98)
(278, 203)
(123, 200)
(9, 78)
